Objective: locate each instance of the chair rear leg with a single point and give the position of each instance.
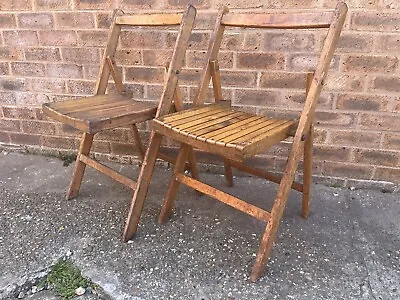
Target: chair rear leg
(307, 173)
(138, 142)
(146, 172)
(228, 172)
(79, 170)
(173, 183)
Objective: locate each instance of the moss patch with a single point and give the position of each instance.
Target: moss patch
(64, 278)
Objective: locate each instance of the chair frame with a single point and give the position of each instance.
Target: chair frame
(171, 93)
(302, 137)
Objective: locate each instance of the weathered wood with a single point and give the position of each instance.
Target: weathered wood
(150, 20)
(223, 197)
(138, 141)
(116, 75)
(108, 171)
(304, 124)
(79, 169)
(173, 185)
(279, 21)
(170, 84)
(216, 80)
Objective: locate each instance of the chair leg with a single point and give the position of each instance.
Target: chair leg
(307, 173)
(138, 141)
(228, 172)
(173, 183)
(267, 241)
(79, 170)
(143, 183)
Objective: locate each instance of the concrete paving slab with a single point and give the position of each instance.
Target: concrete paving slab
(349, 248)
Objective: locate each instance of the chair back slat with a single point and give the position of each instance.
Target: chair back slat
(150, 20)
(279, 21)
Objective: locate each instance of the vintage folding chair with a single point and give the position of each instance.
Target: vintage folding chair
(103, 111)
(238, 135)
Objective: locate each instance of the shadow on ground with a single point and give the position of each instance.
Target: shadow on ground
(349, 248)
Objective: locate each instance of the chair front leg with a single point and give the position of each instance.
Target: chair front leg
(173, 185)
(143, 183)
(79, 170)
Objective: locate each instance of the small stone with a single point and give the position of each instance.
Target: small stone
(21, 295)
(80, 291)
(34, 289)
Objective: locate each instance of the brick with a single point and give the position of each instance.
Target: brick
(72, 20)
(35, 20)
(117, 134)
(288, 42)
(362, 102)
(379, 122)
(123, 148)
(93, 38)
(196, 59)
(59, 142)
(344, 82)
(128, 57)
(51, 4)
(232, 41)
(24, 139)
(391, 141)
(391, 4)
(331, 153)
(355, 42)
(66, 130)
(373, 21)
(381, 64)
(376, 157)
(47, 85)
(143, 4)
(197, 40)
(42, 54)
(4, 137)
(90, 71)
(64, 71)
(101, 147)
(80, 55)
(32, 99)
(38, 127)
(156, 57)
(291, 4)
(4, 69)
(296, 100)
(21, 38)
(354, 3)
(335, 119)
(183, 3)
(28, 69)
(7, 21)
(204, 20)
(140, 74)
(389, 43)
(260, 61)
(58, 38)
(142, 39)
(79, 87)
(240, 79)
(12, 84)
(19, 113)
(388, 84)
(308, 62)
(7, 98)
(257, 98)
(346, 170)
(10, 125)
(103, 20)
(283, 80)
(15, 5)
(388, 174)
(11, 53)
(93, 4)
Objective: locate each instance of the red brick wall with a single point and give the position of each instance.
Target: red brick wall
(50, 50)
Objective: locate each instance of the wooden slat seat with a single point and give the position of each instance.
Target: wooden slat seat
(95, 113)
(223, 127)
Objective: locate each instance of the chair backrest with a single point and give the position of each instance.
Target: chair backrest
(333, 20)
(107, 68)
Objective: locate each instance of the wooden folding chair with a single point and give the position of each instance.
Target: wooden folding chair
(238, 135)
(106, 111)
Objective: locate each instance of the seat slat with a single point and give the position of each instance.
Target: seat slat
(204, 120)
(216, 124)
(247, 131)
(193, 118)
(84, 101)
(258, 131)
(94, 106)
(185, 114)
